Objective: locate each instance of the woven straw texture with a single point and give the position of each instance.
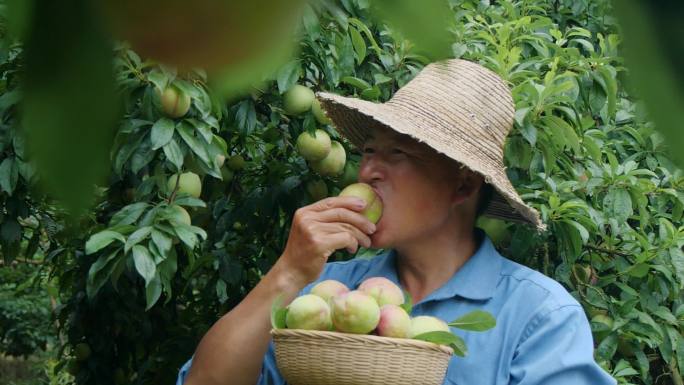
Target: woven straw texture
(457, 107)
(306, 357)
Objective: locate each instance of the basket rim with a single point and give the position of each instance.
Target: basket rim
(337, 337)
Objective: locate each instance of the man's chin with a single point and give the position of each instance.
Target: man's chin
(378, 241)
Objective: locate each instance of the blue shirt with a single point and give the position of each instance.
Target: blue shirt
(542, 335)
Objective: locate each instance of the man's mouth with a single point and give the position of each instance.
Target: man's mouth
(377, 192)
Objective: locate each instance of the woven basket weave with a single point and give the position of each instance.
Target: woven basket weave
(306, 357)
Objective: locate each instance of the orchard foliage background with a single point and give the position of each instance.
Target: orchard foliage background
(140, 286)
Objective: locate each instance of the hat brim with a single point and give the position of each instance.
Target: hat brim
(353, 117)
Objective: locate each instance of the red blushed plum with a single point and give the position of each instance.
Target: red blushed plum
(394, 322)
(329, 288)
(382, 290)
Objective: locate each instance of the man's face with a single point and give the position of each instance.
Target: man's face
(418, 187)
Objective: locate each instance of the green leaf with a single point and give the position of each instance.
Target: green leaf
(187, 133)
(584, 234)
(204, 129)
(359, 44)
(246, 117)
(174, 154)
(158, 78)
(363, 28)
(32, 245)
(278, 313)
(187, 88)
(612, 160)
(680, 352)
(168, 267)
(617, 204)
(337, 13)
(677, 258)
(356, 82)
(408, 302)
(518, 152)
(185, 234)
(623, 369)
(477, 320)
(288, 75)
(144, 263)
(592, 148)
(162, 241)
(665, 314)
(639, 270)
(610, 87)
(99, 273)
(666, 230)
(10, 234)
(445, 338)
(221, 292)
(8, 175)
(129, 214)
(8, 99)
(379, 78)
(372, 93)
(190, 201)
(607, 347)
(153, 290)
(626, 289)
(125, 152)
(311, 23)
(157, 255)
(142, 157)
(117, 270)
(564, 134)
(137, 237)
(570, 239)
(344, 50)
(199, 231)
(100, 240)
(162, 132)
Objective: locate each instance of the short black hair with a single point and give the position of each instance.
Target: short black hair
(486, 195)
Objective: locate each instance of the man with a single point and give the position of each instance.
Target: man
(427, 152)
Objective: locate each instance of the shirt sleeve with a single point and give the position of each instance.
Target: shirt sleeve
(183, 372)
(557, 348)
(270, 375)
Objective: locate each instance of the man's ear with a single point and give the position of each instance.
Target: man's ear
(467, 186)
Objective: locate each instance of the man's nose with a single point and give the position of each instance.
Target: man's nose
(372, 169)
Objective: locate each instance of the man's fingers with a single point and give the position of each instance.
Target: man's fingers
(343, 240)
(351, 203)
(335, 228)
(343, 215)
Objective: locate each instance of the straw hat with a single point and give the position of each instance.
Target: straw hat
(458, 108)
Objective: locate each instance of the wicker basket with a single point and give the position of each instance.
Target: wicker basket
(306, 357)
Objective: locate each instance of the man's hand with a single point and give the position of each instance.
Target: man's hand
(321, 228)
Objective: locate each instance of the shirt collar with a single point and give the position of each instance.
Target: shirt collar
(476, 279)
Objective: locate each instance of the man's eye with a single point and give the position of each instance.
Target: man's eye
(397, 151)
(368, 150)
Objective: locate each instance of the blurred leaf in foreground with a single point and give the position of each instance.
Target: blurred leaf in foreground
(654, 52)
(70, 107)
(425, 23)
(237, 41)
